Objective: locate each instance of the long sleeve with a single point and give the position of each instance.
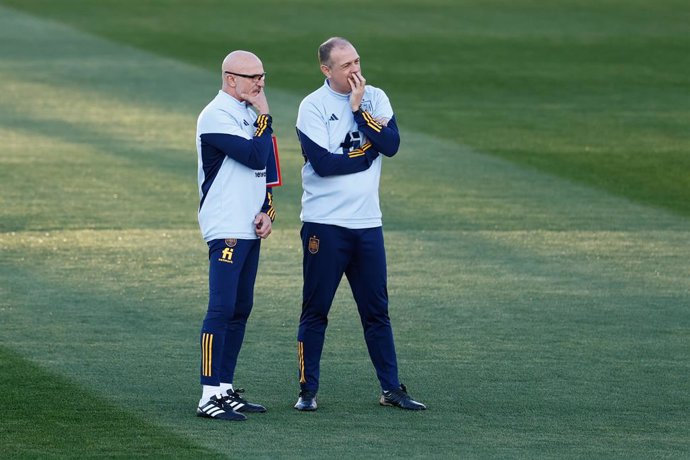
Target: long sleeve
(385, 139)
(253, 153)
(326, 163)
(268, 207)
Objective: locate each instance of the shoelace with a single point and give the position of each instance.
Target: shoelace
(236, 395)
(399, 394)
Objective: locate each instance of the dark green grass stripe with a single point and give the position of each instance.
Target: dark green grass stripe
(46, 415)
(595, 92)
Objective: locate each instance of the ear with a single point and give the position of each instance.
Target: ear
(230, 80)
(325, 70)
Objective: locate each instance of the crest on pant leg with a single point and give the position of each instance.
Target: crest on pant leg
(313, 245)
(231, 242)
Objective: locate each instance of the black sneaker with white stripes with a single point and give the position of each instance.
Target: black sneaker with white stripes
(306, 401)
(400, 398)
(216, 408)
(239, 404)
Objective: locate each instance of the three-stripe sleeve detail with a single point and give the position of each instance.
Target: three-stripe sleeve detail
(360, 151)
(373, 124)
(261, 125)
(271, 211)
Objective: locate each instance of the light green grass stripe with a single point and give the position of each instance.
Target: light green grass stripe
(501, 298)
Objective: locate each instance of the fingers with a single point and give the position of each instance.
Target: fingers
(258, 101)
(263, 232)
(357, 86)
(352, 83)
(356, 80)
(263, 226)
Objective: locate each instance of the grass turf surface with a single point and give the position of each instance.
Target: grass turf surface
(535, 316)
(596, 92)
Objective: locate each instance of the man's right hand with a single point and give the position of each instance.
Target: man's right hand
(357, 85)
(258, 101)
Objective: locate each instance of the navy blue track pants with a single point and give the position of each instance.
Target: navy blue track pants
(233, 265)
(329, 252)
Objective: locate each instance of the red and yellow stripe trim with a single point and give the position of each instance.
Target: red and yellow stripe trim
(271, 212)
(261, 125)
(373, 124)
(300, 359)
(360, 151)
(206, 354)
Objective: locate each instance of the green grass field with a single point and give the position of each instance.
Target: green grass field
(537, 223)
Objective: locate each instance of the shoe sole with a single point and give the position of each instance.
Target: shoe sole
(251, 411)
(306, 408)
(205, 415)
(386, 403)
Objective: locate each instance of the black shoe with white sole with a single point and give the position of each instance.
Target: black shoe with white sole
(216, 408)
(400, 398)
(239, 404)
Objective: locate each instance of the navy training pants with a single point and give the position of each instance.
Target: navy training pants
(329, 252)
(233, 265)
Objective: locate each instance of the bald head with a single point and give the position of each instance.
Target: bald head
(238, 61)
(242, 74)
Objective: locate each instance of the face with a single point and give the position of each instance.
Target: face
(344, 62)
(248, 78)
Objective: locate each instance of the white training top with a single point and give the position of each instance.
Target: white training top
(232, 194)
(348, 200)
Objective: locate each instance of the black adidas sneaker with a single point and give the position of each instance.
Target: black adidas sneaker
(306, 401)
(400, 398)
(216, 408)
(239, 404)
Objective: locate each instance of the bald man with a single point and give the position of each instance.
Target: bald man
(235, 213)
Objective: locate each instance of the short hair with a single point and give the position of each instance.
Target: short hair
(327, 46)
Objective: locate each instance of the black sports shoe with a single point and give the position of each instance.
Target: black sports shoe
(306, 401)
(239, 404)
(216, 408)
(400, 398)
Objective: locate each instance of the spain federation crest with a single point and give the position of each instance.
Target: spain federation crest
(313, 245)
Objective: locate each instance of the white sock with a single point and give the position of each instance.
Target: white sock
(224, 387)
(207, 392)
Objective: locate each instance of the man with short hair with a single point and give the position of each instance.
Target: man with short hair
(342, 128)
(235, 213)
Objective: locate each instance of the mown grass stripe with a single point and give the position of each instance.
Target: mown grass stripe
(48, 415)
(596, 92)
(505, 301)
